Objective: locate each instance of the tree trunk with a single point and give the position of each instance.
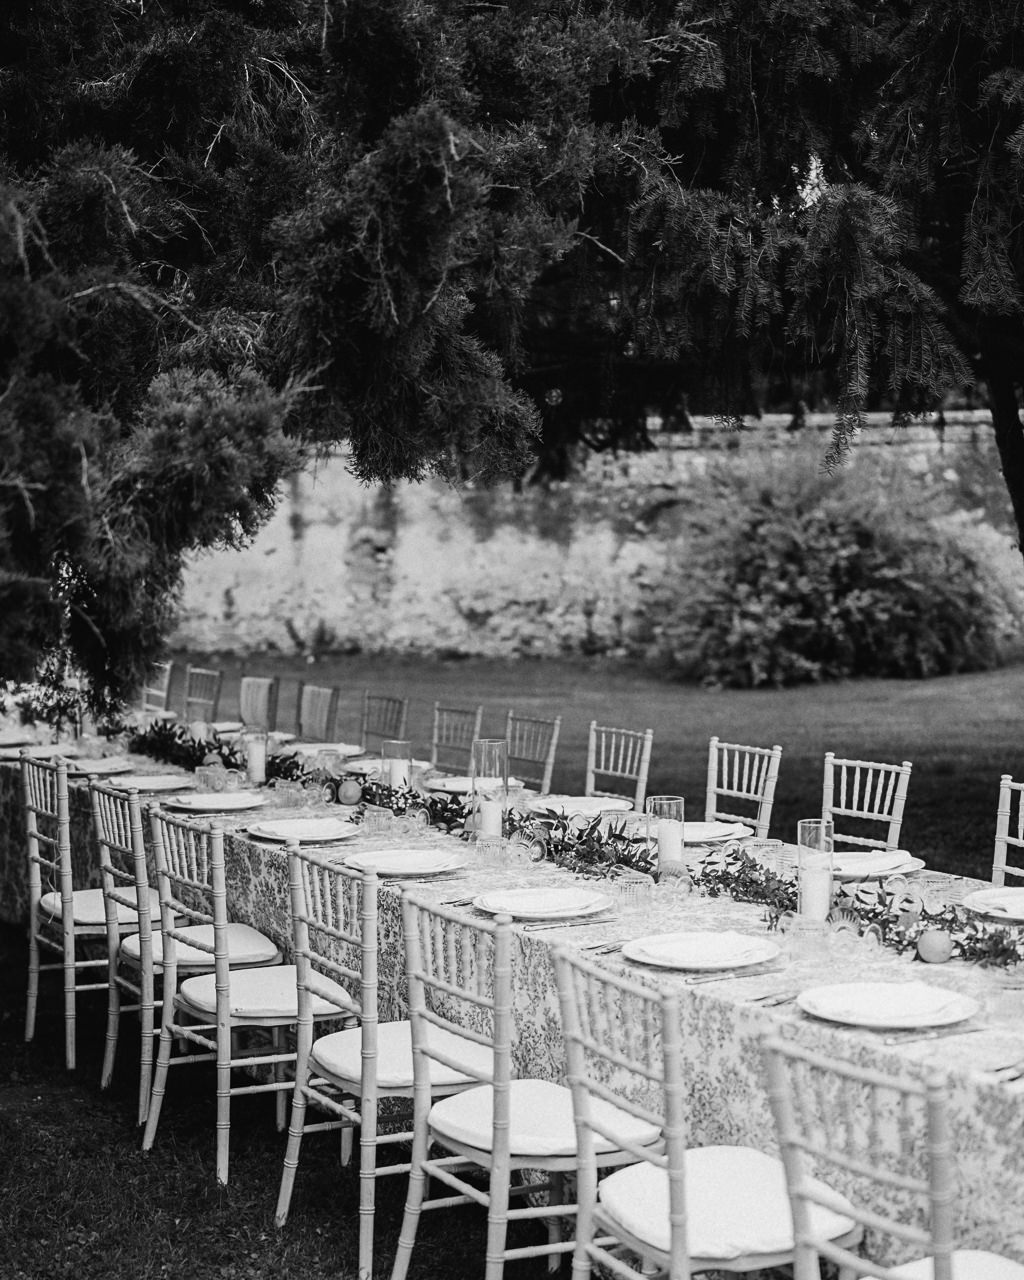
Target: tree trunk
(1002, 390)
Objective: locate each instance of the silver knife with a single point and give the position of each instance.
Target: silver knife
(568, 924)
(938, 1033)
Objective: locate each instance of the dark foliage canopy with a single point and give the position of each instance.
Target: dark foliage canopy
(453, 234)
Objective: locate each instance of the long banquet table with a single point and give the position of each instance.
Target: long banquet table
(722, 1029)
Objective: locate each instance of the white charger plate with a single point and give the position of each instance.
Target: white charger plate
(405, 862)
(217, 801)
(701, 951)
(997, 903)
(705, 832)
(586, 805)
(101, 766)
(853, 865)
(314, 748)
(304, 830)
(41, 751)
(459, 785)
(543, 904)
(152, 782)
(887, 1004)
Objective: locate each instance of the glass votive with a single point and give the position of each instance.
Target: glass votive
(488, 793)
(396, 763)
(377, 821)
(665, 831)
(765, 852)
(805, 939)
(633, 888)
(252, 743)
(815, 867)
(938, 890)
(1004, 998)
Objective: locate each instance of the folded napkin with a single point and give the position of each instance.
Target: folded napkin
(704, 950)
(697, 832)
(868, 862)
(891, 1004)
(552, 902)
(1009, 900)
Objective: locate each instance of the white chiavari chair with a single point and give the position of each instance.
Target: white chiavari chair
(451, 742)
(248, 988)
(617, 756)
(128, 898)
(460, 982)
(532, 742)
(675, 1210)
(383, 717)
(257, 701)
(202, 693)
(865, 791)
(1009, 831)
(63, 920)
(745, 774)
(890, 1143)
(346, 1074)
(153, 703)
(316, 712)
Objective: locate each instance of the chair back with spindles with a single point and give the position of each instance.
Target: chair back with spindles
(257, 701)
(202, 693)
(737, 773)
(865, 791)
(383, 717)
(878, 1140)
(615, 757)
(155, 691)
(48, 834)
(1009, 832)
(316, 711)
(118, 824)
(451, 743)
(616, 1030)
(532, 742)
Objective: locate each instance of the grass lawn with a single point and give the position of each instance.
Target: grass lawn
(960, 732)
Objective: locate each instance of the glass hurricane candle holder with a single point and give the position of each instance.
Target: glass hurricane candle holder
(665, 833)
(815, 867)
(396, 763)
(488, 793)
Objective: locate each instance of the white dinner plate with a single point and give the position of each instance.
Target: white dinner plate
(101, 766)
(234, 729)
(543, 904)
(371, 764)
(405, 862)
(458, 786)
(41, 751)
(586, 805)
(999, 903)
(153, 782)
(725, 949)
(705, 832)
(218, 801)
(887, 1004)
(854, 864)
(314, 748)
(304, 830)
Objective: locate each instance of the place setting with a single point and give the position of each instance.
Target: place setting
(406, 864)
(154, 783)
(549, 907)
(706, 955)
(316, 830)
(902, 1011)
(1006, 904)
(215, 802)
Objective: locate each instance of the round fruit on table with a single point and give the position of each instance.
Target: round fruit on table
(935, 946)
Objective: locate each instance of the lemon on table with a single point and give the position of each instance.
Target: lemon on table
(350, 792)
(935, 946)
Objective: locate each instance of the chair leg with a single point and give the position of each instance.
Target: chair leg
(281, 1096)
(497, 1220)
(70, 981)
(156, 1097)
(413, 1201)
(555, 1197)
(367, 1185)
(32, 998)
(291, 1153)
(223, 1103)
(146, 1008)
(113, 1025)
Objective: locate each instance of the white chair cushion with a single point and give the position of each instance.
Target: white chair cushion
(262, 993)
(968, 1264)
(88, 907)
(340, 1055)
(736, 1204)
(246, 946)
(541, 1119)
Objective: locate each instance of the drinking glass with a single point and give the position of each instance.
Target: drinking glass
(815, 867)
(665, 832)
(488, 792)
(396, 763)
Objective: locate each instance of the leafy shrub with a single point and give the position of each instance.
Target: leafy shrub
(796, 575)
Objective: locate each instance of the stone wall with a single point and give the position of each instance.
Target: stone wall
(569, 569)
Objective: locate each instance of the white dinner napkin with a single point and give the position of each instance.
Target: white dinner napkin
(704, 950)
(1010, 901)
(869, 862)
